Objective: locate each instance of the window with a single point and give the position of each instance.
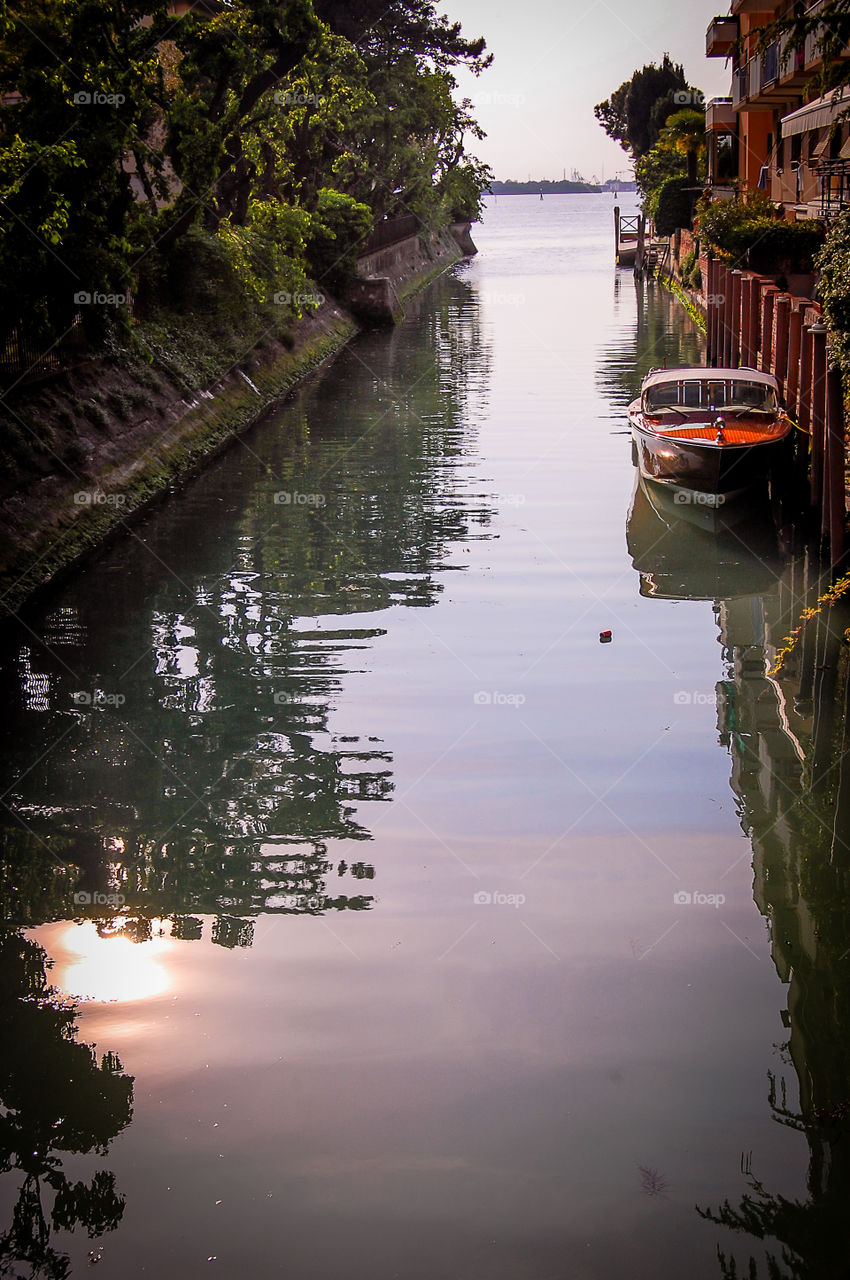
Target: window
(681, 396)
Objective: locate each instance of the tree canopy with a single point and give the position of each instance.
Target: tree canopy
(636, 112)
(253, 136)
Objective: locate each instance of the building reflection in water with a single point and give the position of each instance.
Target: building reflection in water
(786, 732)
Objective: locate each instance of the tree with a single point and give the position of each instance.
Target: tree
(684, 132)
(656, 167)
(628, 115)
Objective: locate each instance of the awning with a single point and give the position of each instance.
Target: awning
(814, 115)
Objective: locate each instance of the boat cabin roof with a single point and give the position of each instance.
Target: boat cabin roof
(696, 373)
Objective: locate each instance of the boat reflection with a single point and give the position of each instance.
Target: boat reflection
(783, 718)
(695, 551)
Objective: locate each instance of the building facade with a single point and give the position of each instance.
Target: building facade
(773, 134)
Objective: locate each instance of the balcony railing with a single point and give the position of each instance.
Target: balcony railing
(720, 37)
(741, 84)
(770, 64)
(720, 116)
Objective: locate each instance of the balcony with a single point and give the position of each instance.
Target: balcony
(770, 65)
(720, 116)
(741, 85)
(720, 37)
(813, 54)
(758, 85)
(792, 65)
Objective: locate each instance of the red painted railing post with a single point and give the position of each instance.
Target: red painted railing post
(818, 408)
(735, 334)
(781, 314)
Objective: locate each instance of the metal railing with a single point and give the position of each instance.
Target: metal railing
(24, 357)
(390, 231)
(770, 64)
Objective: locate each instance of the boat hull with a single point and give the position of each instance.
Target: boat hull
(720, 471)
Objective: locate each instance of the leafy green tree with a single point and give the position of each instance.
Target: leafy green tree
(139, 151)
(339, 227)
(653, 169)
(79, 80)
(628, 115)
(684, 132)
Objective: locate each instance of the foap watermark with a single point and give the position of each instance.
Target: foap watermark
(715, 299)
(694, 498)
(696, 899)
(97, 698)
(694, 698)
(82, 298)
(689, 98)
(512, 499)
(284, 299)
(486, 698)
(501, 299)
(292, 498)
(84, 899)
(310, 901)
(97, 498)
(289, 98)
(94, 98)
(497, 899)
(491, 98)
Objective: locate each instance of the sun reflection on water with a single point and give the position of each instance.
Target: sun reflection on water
(109, 967)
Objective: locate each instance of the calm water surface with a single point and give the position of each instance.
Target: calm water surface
(396, 983)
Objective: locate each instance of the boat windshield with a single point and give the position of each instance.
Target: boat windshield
(683, 394)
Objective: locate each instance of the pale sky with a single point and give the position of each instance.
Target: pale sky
(553, 61)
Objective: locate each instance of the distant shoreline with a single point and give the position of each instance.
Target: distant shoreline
(563, 188)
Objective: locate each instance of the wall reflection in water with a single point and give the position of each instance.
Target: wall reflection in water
(786, 732)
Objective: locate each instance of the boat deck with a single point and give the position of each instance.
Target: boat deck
(740, 433)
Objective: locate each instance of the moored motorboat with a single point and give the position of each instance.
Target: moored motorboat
(709, 434)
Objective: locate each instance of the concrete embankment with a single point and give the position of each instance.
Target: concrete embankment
(95, 443)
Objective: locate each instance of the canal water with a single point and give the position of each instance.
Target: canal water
(364, 913)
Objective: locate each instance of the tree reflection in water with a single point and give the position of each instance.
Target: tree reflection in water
(55, 1099)
(171, 713)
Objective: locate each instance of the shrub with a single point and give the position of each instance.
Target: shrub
(340, 224)
(96, 413)
(671, 206)
(689, 271)
(751, 235)
(833, 263)
(686, 266)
